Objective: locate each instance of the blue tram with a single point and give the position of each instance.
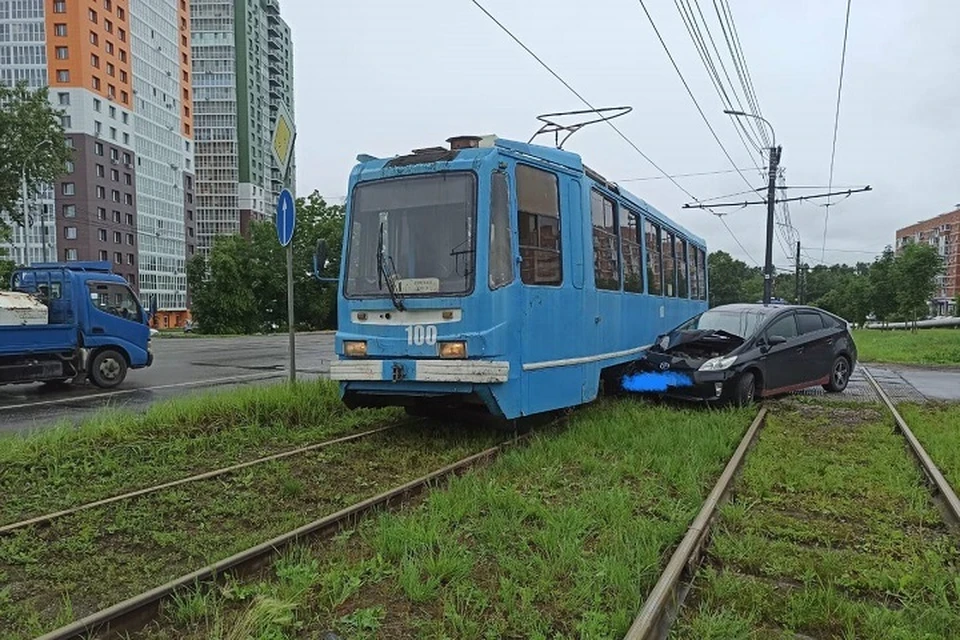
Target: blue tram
(501, 276)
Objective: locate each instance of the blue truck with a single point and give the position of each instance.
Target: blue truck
(94, 326)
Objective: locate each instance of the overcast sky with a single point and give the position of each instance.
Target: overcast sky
(383, 77)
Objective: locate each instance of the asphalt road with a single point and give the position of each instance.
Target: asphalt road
(181, 366)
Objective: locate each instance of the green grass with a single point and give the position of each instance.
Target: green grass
(938, 429)
(99, 557)
(119, 451)
(831, 534)
(563, 538)
(925, 346)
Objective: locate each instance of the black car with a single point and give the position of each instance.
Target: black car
(737, 352)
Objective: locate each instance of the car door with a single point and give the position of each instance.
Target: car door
(781, 354)
(815, 343)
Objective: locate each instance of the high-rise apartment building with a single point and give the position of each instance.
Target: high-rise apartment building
(943, 233)
(242, 70)
(120, 71)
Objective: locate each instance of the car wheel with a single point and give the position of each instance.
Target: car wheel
(839, 375)
(108, 369)
(745, 392)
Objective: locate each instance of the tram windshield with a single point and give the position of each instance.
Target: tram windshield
(412, 236)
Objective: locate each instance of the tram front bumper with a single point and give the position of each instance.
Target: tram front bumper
(470, 371)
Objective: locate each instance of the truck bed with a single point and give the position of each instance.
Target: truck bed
(37, 339)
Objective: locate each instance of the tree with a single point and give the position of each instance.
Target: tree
(242, 286)
(31, 135)
(883, 286)
(731, 280)
(915, 271)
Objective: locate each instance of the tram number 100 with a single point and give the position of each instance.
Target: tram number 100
(420, 334)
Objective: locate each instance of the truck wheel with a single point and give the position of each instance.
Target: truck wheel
(108, 369)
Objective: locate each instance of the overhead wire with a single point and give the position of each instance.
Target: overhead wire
(580, 97)
(682, 175)
(836, 124)
(728, 26)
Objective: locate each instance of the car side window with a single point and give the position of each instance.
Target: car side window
(809, 322)
(785, 326)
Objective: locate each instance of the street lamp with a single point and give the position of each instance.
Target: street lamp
(771, 195)
(23, 196)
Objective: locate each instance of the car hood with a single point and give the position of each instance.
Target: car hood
(705, 340)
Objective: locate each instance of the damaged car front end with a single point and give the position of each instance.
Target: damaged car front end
(701, 362)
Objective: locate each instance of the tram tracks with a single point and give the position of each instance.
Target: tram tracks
(95, 554)
(792, 548)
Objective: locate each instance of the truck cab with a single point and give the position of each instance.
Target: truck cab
(71, 321)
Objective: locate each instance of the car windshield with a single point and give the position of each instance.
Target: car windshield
(742, 323)
(417, 231)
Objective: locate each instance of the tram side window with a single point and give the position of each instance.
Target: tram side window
(680, 257)
(606, 258)
(538, 216)
(630, 241)
(501, 261)
(692, 256)
(702, 273)
(654, 265)
(669, 265)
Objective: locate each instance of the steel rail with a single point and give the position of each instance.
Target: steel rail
(135, 612)
(664, 601)
(950, 502)
(49, 517)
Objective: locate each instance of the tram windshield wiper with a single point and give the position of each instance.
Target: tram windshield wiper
(383, 274)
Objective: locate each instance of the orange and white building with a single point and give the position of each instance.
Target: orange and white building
(943, 233)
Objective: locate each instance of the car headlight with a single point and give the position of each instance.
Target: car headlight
(355, 348)
(718, 364)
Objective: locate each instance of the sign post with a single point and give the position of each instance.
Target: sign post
(284, 135)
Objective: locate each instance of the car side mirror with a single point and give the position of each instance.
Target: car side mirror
(775, 340)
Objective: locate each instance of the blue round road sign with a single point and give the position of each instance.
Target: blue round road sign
(286, 217)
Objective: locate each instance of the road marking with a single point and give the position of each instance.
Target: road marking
(109, 394)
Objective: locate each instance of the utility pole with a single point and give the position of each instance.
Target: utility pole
(771, 204)
(26, 215)
(797, 294)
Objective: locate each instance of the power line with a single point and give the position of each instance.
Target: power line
(725, 18)
(682, 175)
(578, 95)
(690, 92)
(613, 126)
(836, 124)
(737, 240)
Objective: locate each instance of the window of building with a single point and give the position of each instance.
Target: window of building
(126, 138)
(100, 171)
(101, 192)
(69, 211)
(92, 15)
(115, 195)
(500, 272)
(122, 35)
(124, 97)
(104, 255)
(118, 257)
(96, 83)
(130, 239)
(116, 216)
(129, 219)
(107, 4)
(66, 121)
(101, 215)
(669, 264)
(60, 29)
(128, 179)
(63, 75)
(102, 234)
(68, 141)
(606, 246)
(123, 55)
(70, 233)
(654, 262)
(128, 198)
(64, 99)
(69, 166)
(107, 26)
(111, 70)
(62, 53)
(680, 259)
(114, 175)
(68, 188)
(117, 237)
(98, 148)
(70, 255)
(121, 13)
(113, 112)
(492, 280)
(126, 159)
(108, 46)
(94, 39)
(123, 76)
(538, 217)
(97, 127)
(59, 6)
(131, 259)
(111, 91)
(113, 133)
(114, 154)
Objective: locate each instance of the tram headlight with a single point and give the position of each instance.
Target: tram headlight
(355, 348)
(453, 349)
